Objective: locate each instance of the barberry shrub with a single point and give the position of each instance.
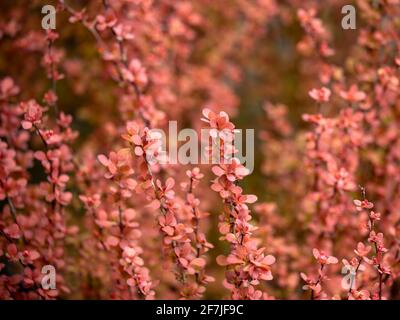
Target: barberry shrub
(85, 187)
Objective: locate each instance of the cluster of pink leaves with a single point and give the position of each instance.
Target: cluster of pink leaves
(348, 134)
(34, 224)
(246, 264)
(178, 221)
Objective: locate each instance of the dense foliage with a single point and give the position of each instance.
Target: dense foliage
(79, 193)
